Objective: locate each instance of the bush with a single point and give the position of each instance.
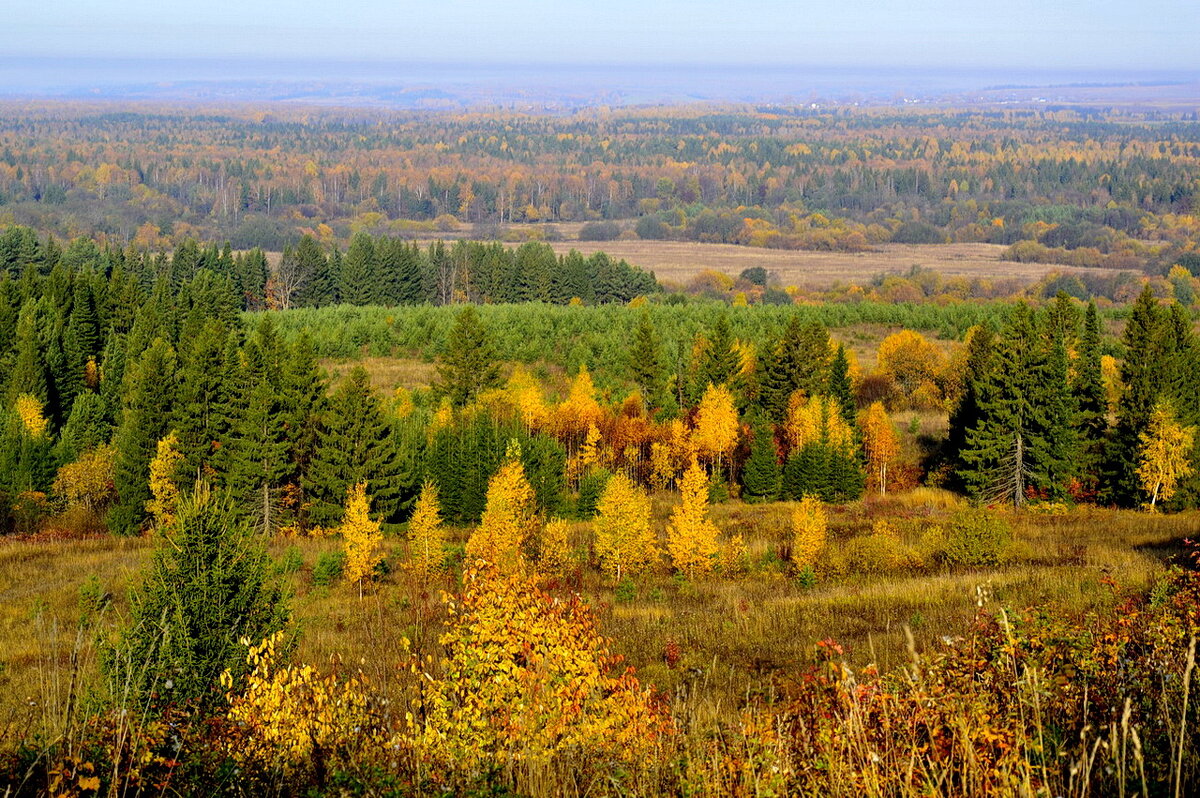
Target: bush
(329, 568)
(599, 231)
(879, 552)
(975, 538)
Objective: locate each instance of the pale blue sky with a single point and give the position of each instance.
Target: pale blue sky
(1036, 34)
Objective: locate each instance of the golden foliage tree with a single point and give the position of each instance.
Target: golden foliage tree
(580, 411)
(1164, 454)
(361, 535)
(816, 419)
(911, 361)
(29, 409)
(426, 535)
(508, 518)
(879, 443)
(625, 542)
(716, 429)
(163, 490)
(810, 525)
(88, 482)
(691, 534)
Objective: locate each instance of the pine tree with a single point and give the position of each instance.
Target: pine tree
(206, 588)
(691, 535)
(29, 374)
(426, 535)
(625, 543)
(646, 362)
(87, 427)
(355, 445)
(144, 420)
(719, 362)
(761, 475)
(202, 417)
(469, 363)
(1022, 439)
(966, 415)
(797, 361)
(317, 280)
(361, 535)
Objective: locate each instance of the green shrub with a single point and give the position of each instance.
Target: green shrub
(975, 538)
(329, 568)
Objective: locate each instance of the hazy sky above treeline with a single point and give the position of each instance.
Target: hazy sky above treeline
(1029, 34)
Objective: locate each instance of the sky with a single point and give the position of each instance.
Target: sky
(1135, 35)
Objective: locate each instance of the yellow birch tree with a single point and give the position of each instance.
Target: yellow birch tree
(691, 535)
(809, 528)
(1166, 446)
(426, 535)
(163, 490)
(879, 441)
(508, 518)
(624, 541)
(361, 535)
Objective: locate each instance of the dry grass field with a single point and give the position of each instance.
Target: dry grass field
(679, 261)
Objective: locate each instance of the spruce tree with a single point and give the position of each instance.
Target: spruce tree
(720, 362)
(469, 363)
(840, 387)
(207, 587)
(316, 279)
(797, 360)
(761, 475)
(1091, 400)
(145, 419)
(967, 414)
(646, 362)
(1142, 373)
(202, 413)
(360, 282)
(29, 373)
(355, 445)
(256, 465)
(87, 427)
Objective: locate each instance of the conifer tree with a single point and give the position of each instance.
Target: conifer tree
(317, 280)
(625, 542)
(426, 535)
(144, 420)
(87, 427)
(1142, 374)
(202, 417)
(691, 535)
(797, 361)
(469, 363)
(29, 373)
(840, 387)
(207, 587)
(256, 463)
(1022, 439)
(760, 474)
(646, 362)
(360, 275)
(966, 415)
(719, 362)
(355, 445)
(1090, 398)
(26, 448)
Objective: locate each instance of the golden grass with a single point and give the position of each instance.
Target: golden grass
(734, 636)
(680, 261)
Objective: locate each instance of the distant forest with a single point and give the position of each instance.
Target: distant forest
(1114, 190)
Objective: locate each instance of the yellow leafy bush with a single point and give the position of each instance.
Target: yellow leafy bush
(88, 482)
(526, 679)
(30, 410)
(554, 553)
(292, 716)
(810, 525)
